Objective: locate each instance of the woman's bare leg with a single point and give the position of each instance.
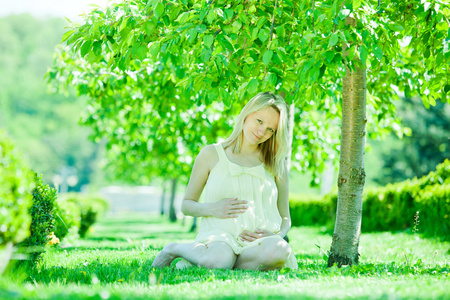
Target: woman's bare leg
(271, 254)
(214, 255)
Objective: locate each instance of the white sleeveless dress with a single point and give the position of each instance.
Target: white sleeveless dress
(255, 185)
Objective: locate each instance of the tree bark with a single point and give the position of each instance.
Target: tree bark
(172, 213)
(347, 231)
(163, 197)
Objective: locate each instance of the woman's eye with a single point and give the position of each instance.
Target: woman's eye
(259, 121)
(271, 130)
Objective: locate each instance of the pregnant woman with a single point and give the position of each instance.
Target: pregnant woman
(245, 213)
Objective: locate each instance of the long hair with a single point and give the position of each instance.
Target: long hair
(274, 150)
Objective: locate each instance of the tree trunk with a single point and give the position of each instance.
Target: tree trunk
(347, 230)
(172, 213)
(163, 197)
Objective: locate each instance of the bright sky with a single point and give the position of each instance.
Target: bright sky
(56, 8)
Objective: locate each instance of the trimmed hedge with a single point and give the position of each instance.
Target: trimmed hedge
(67, 218)
(16, 185)
(79, 211)
(392, 207)
(309, 210)
(42, 218)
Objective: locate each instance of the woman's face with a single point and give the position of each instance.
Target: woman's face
(260, 125)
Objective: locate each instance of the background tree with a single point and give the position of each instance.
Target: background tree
(227, 51)
(44, 127)
(417, 153)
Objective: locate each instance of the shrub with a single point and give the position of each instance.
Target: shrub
(42, 218)
(67, 217)
(309, 210)
(90, 208)
(434, 211)
(392, 207)
(16, 185)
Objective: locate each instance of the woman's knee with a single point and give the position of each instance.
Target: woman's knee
(276, 253)
(218, 255)
(217, 261)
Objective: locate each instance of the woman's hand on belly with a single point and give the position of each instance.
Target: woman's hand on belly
(249, 236)
(228, 208)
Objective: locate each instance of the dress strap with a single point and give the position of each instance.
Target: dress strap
(221, 152)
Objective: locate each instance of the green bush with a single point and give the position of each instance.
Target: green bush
(309, 210)
(392, 207)
(90, 208)
(441, 175)
(16, 185)
(68, 217)
(42, 218)
(434, 211)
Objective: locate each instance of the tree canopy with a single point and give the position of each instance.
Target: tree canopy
(146, 64)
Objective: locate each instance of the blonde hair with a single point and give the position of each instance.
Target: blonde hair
(275, 149)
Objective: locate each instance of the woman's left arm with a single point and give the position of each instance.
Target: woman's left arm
(282, 183)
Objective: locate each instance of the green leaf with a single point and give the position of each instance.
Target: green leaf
(280, 32)
(252, 86)
(263, 34)
(97, 48)
(378, 52)
(333, 40)
(192, 33)
(205, 55)
(211, 16)
(255, 32)
(447, 88)
(267, 57)
(329, 55)
(208, 40)
(67, 35)
(228, 14)
(426, 37)
(225, 43)
(141, 52)
(273, 79)
(432, 101)
(149, 27)
(154, 49)
(236, 26)
(203, 13)
(425, 102)
(427, 53)
(85, 48)
(356, 4)
(363, 54)
(158, 11)
(344, 13)
(213, 94)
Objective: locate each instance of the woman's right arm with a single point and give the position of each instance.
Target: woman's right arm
(226, 208)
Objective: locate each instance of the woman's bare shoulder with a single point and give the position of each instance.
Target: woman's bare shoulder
(208, 156)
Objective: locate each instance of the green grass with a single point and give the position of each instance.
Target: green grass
(114, 262)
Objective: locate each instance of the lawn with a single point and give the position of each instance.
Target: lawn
(114, 262)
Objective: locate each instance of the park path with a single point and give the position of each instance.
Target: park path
(137, 199)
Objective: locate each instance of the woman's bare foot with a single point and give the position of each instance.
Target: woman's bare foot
(165, 257)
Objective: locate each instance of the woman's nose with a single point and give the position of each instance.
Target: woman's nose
(261, 130)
